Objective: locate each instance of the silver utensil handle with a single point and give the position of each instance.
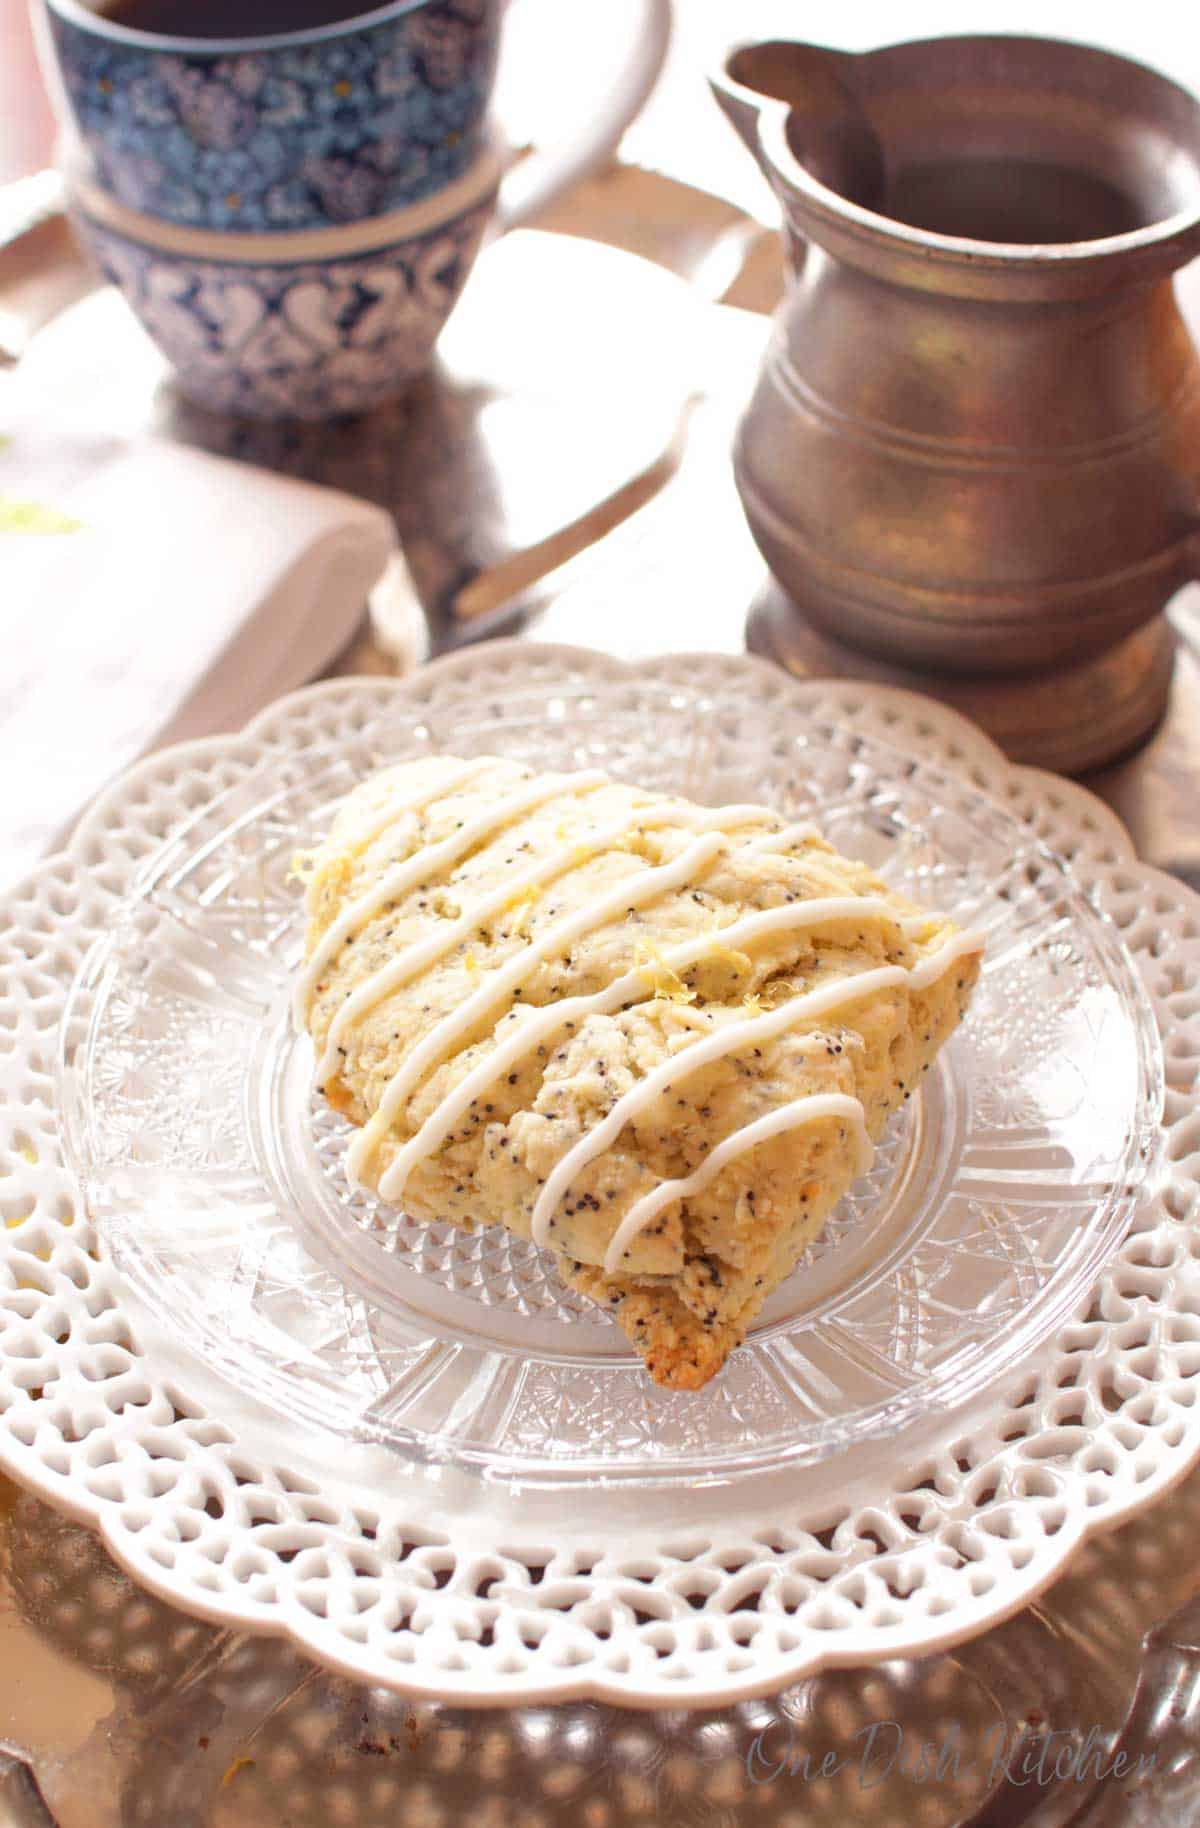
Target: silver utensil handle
(26, 204)
(41, 269)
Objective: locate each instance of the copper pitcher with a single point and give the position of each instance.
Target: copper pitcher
(974, 446)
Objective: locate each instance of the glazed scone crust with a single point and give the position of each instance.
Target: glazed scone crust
(690, 1284)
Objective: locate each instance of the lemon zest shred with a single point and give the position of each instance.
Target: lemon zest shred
(303, 866)
(659, 977)
(18, 516)
(520, 903)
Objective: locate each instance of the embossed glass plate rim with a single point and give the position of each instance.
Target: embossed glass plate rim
(319, 1403)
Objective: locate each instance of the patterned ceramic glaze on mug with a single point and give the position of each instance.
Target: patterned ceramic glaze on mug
(301, 131)
(306, 339)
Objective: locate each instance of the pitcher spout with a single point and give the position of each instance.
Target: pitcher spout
(812, 90)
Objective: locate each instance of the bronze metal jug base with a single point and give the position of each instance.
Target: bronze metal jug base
(1073, 720)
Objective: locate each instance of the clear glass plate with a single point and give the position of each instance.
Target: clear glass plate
(216, 1178)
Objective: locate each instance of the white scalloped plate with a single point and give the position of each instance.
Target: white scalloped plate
(433, 1581)
(217, 1179)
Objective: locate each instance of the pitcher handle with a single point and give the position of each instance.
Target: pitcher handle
(549, 171)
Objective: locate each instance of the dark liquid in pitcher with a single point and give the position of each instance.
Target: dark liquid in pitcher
(230, 18)
(1007, 199)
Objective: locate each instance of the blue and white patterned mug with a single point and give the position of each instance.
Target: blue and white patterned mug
(311, 325)
(307, 129)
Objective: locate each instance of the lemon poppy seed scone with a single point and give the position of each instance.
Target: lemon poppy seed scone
(656, 1038)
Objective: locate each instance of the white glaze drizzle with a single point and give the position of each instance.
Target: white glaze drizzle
(786, 1117)
(396, 882)
(779, 840)
(536, 1024)
(723, 1040)
(928, 970)
(918, 977)
(382, 813)
(819, 865)
(412, 959)
(631, 892)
